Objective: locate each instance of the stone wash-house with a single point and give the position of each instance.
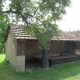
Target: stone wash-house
(20, 47)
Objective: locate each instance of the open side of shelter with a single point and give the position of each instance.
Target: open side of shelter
(61, 53)
(21, 48)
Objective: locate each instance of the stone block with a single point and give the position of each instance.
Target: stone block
(20, 58)
(20, 68)
(20, 64)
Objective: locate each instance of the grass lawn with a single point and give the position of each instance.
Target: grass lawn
(69, 71)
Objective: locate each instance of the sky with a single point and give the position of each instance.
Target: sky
(71, 21)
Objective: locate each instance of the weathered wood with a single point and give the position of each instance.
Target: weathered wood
(59, 59)
(64, 59)
(21, 47)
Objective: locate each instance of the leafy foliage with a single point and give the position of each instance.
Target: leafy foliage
(3, 26)
(44, 36)
(39, 16)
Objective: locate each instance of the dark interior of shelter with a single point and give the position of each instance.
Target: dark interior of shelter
(59, 52)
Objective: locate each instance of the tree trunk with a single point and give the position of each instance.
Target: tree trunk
(45, 59)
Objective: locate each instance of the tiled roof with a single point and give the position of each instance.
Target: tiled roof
(68, 36)
(20, 33)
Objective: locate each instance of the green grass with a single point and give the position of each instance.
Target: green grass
(69, 71)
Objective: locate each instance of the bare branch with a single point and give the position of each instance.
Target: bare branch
(9, 11)
(22, 16)
(15, 12)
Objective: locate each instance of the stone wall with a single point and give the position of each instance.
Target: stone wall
(17, 62)
(10, 49)
(20, 63)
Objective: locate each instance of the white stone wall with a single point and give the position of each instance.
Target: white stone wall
(17, 62)
(10, 49)
(20, 63)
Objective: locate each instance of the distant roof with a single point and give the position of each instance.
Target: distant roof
(68, 36)
(20, 33)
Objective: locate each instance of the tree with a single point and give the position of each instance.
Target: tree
(3, 26)
(40, 17)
